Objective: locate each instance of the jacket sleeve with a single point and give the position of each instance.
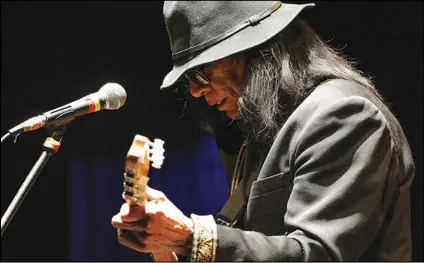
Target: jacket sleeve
(340, 161)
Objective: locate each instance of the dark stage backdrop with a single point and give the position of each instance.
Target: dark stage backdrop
(54, 52)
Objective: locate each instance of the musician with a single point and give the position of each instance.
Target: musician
(325, 168)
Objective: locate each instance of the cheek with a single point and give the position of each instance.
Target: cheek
(232, 88)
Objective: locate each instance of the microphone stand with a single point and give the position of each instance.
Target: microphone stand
(50, 147)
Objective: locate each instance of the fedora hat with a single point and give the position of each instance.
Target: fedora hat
(201, 32)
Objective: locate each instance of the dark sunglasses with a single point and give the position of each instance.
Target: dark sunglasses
(197, 76)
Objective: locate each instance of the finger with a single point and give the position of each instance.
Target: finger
(117, 219)
(146, 244)
(136, 241)
(133, 226)
(157, 239)
(127, 239)
(161, 244)
(154, 242)
(130, 213)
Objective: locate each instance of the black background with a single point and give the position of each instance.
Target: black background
(55, 52)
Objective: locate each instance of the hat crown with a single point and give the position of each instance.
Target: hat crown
(192, 23)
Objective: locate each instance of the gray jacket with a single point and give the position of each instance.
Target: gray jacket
(335, 185)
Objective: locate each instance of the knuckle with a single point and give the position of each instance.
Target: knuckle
(160, 213)
(114, 223)
(149, 227)
(145, 240)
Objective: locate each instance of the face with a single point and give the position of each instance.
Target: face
(226, 78)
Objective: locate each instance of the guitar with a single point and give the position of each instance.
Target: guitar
(137, 166)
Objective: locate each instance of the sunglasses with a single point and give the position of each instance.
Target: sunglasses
(197, 76)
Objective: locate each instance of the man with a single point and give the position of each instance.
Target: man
(325, 168)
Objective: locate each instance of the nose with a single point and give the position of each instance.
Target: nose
(199, 91)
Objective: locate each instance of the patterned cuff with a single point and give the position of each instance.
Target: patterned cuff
(204, 239)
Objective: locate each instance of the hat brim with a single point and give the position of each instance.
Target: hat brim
(245, 39)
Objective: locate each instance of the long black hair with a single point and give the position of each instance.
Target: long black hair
(281, 73)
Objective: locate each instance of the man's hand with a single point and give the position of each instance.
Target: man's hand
(158, 227)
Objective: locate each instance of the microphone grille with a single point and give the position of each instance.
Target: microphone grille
(114, 95)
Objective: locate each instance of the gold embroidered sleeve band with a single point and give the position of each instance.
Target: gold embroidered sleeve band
(205, 238)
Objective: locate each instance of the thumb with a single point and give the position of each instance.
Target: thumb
(131, 213)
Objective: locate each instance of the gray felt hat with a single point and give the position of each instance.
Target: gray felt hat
(202, 32)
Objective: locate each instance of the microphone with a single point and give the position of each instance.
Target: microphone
(110, 97)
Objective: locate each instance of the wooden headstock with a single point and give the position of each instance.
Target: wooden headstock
(137, 165)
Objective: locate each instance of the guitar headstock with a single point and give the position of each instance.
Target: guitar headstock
(137, 166)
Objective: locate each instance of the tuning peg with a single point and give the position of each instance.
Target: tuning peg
(157, 153)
